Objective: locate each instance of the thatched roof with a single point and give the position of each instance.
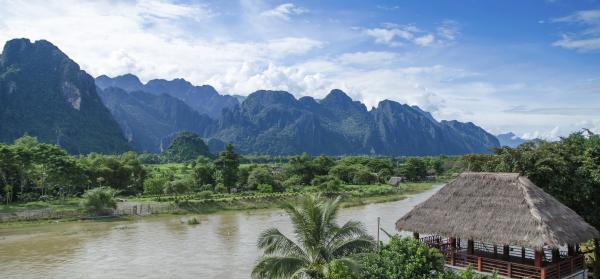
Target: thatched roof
(499, 208)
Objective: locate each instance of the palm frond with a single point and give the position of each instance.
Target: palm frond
(272, 241)
(277, 267)
(354, 245)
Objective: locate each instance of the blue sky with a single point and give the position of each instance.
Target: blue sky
(531, 67)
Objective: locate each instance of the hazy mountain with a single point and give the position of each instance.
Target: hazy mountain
(204, 99)
(44, 94)
(274, 122)
(510, 139)
(149, 120)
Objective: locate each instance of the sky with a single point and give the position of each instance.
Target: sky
(528, 67)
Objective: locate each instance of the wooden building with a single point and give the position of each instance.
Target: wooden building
(501, 222)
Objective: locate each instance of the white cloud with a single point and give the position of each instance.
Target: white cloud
(284, 11)
(395, 35)
(586, 39)
(424, 40)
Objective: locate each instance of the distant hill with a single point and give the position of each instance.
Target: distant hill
(44, 94)
(186, 147)
(204, 99)
(274, 122)
(510, 139)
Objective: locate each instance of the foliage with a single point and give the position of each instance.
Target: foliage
(403, 258)
(204, 171)
(99, 200)
(318, 242)
(264, 188)
(414, 169)
(155, 185)
(260, 175)
(227, 164)
(186, 147)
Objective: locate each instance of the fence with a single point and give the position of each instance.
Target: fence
(123, 209)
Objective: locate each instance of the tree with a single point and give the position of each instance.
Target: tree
(300, 166)
(414, 169)
(227, 164)
(186, 147)
(155, 185)
(99, 200)
(260, 175)
(322, 164)
(403, 258)
(204, 171)
(319, 242)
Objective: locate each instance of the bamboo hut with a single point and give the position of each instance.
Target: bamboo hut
(501, 222)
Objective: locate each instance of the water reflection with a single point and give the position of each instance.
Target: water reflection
(222, 246)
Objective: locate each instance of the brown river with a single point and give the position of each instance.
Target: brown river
(223, 245)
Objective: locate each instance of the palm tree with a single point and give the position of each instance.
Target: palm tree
(319, 242)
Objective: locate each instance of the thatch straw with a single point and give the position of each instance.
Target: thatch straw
(499, 208)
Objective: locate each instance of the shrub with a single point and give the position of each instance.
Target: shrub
(154, 185)
(205, 195)
(220, 188)
(294, 180)
(259, 176)
(403, 258)
(193, 221)
(99, 200)
(264, 188)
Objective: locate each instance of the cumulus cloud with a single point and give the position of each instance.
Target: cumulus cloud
(284, 11)
(587, 37)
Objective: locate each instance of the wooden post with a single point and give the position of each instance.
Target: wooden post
(453, 243)
(495, 251)
(543, 273)
(479, 265)
(523, 252)
(452, 257)
(509, 270)
(538, 258)
(571, 250)
(470, 247)
(416, 235)
(555, 255)
(506, 250)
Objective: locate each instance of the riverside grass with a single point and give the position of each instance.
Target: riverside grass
(352, 195)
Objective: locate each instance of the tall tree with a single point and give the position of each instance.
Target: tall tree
(228, 164)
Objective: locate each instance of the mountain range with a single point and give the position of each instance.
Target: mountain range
(122, 112)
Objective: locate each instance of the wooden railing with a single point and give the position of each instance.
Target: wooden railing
(511, 269)
(564, 267)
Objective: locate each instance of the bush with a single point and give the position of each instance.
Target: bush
(294, 180)
(403, 258)
(205, 195)
(99, 201)
(155, 185)
(331, 184)
(264, 188)
(260, 175)
(220, 188)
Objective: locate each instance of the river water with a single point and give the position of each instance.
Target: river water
(223, 245)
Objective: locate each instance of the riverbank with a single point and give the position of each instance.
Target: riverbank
(199, 203)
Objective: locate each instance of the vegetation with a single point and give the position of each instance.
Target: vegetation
(99, 201)
(320, 242)
(185, 147)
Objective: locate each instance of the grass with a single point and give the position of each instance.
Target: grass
(56, 205)
(203, 203)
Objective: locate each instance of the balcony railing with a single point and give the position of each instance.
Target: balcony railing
(511, 267)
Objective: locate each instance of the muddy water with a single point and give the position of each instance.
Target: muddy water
(223, 245)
